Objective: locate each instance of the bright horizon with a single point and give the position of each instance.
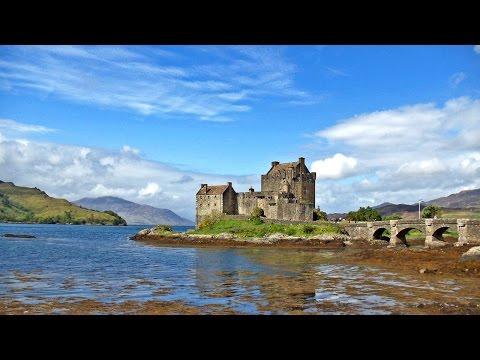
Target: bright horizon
(151, 123)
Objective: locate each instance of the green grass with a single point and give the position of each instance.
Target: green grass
(22, 204)
(249, 228)
(461, 214)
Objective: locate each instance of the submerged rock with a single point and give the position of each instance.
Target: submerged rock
(22, 236)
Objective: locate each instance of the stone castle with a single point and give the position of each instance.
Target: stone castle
(287, 193)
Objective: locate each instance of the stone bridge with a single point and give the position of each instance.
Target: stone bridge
(432, 229)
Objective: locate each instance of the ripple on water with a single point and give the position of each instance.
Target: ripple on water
(101, 263)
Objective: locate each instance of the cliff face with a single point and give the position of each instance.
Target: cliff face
(134, 213)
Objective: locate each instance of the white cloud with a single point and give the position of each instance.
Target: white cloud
(431, 166)
(416, 151)
(336, 167)
(457, 78)
(476, 48)
(73, 172)
(12, 125)
(150, 190)
(128, 149)
(131, 78)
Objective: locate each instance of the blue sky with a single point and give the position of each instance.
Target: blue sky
(378, 123)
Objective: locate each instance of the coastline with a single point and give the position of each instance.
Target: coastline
(445, 261)
(227, 240)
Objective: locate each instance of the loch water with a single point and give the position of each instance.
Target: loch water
(67, 262)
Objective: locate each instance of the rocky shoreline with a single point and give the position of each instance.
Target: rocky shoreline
(449, 259)
(277, 240)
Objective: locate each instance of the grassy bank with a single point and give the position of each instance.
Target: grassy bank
(461, 214)
(31, 205)
(255, 228)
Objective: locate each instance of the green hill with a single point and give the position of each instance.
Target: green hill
(23, 204)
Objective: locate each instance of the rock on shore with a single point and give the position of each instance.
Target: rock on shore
(472, 254)
(228, 239)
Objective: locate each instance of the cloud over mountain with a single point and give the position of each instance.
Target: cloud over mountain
(401, 154)
(74, 172)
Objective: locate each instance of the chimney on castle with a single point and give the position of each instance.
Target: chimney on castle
(301, 160)
(229, 184)
(251, 189)
(275, 163)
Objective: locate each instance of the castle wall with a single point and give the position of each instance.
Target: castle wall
(298, 180)
(303, 187)
(295, 211)
(206, 204)
(288, 193)
(274, 207)
(230, 205)
(248, 201)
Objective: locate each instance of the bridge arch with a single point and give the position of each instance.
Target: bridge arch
(378, 234)
(438, 233)
(402, 233)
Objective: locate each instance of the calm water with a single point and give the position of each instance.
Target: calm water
(95, 262)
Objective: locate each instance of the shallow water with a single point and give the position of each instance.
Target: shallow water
(101, 263)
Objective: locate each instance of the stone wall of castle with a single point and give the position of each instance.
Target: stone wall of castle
(295, 179)
(230, 205)
(207, 204)
(274, 206)
(287, 193)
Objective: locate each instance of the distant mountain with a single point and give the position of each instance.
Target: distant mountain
(32, 205)
(389, 208)
(134, 213)
(462, 200)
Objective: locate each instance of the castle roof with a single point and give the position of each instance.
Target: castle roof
(212, 190)
(285, 166)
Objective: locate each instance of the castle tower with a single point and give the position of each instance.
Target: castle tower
(295, 176)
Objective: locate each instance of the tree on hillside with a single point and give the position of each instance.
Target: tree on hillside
(118, 219)
(431, 211)
(364, 214)
(319, 215)
(68, 218)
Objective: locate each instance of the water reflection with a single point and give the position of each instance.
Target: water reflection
(71, 263)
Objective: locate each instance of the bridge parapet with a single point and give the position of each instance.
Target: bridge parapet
(357, 231)
(432, 229)
(378, 223)
(468, 231)
(441, 221)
